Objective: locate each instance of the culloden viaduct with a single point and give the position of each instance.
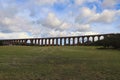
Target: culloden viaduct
(58, 41)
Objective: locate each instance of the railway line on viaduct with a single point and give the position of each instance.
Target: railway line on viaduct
(58, 41)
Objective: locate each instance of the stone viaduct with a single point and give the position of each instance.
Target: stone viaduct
(57, 41)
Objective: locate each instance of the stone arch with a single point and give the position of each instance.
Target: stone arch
(80, 40)
(59, 41)
(85, 39)
(101, 37)
(47, 41)
(90, 38)
(51, 41)
(93, 38)
(40, 42)
(36, 41)
(54, 41)
(67, 41)
(76, 40)
(71, 41)
(63, 42)
(32, 41)
(96, 38)
(28, 41)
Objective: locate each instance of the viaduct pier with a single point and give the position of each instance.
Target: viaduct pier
(58, 41)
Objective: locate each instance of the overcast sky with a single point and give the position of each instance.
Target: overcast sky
(50, 18)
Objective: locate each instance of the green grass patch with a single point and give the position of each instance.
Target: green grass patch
(58, 63)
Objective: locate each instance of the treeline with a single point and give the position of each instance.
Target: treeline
(112, 41)
(1, 43)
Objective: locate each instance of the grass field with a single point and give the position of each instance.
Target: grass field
(59, 63)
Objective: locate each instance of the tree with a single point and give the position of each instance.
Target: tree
(109, 41)
(1, 43)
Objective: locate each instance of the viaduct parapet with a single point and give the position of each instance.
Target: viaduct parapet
(58, 41)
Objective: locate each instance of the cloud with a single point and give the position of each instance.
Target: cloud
(88, 15)
(51, 21)
(48, 2)
(82, 27)
(45, 2)
(84, 14)
(106, 16)
(81, 2)
(8, 11)
(42, 18)
(16, 24)
(19, 23)
(109, 3)
(15, 35)
(71, 33)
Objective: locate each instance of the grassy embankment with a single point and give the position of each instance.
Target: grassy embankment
(58, 63)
